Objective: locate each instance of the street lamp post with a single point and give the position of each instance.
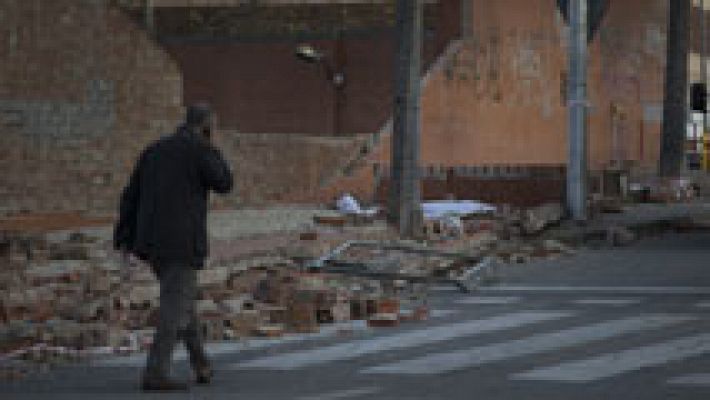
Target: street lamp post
(577, 163)
(335, 76)
(585, 18)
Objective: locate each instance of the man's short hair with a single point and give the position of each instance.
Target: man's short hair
(198, 115)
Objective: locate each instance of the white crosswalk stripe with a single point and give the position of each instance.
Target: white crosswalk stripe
(236, 346)
(437, 313)
(601, 289)
(612, 364)
(607, 302)
(462, 358)
(444, 288)
(343, 394)
(547, 341)
(259, 343)
(691, 380)
(488, 300)
(403, 340)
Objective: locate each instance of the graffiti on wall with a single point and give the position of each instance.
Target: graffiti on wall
(633, 50)
(478, 64)
(507, 67)
(621, 60)
(528, 68)
(655, 41)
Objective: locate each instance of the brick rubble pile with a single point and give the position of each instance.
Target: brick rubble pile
(69, 297)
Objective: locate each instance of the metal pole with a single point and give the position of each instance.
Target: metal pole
(149, 16)
(337, 83)
(577, 103)
(466, 19)
(675, 101)
(704, 79)
(405, 190)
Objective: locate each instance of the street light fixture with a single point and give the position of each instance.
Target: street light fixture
(309, 54)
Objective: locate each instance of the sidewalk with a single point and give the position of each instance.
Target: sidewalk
(640, 219)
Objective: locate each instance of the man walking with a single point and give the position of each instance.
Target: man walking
(163, 220)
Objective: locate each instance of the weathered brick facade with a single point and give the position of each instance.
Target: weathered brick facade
(502, 98)
(242, 60)
(277, 168)
(82, 90)
(498, 100)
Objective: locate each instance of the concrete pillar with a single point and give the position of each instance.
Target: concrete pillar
(405, 190)
(675, 106)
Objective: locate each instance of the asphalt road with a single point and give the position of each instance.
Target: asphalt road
(629, 323)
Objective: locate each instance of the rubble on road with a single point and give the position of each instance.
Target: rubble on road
(69, 297)
(619, 236)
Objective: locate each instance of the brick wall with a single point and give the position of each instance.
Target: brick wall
(82, 90)
(517, 185)
(277, 168)
(499, 98)
(263, 19)
(258, 86)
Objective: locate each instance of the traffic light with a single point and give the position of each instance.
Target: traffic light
(698, 97)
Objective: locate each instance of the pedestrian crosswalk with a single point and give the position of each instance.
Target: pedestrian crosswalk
(611, 364)
(691, 380)
(409, 339)
(553, 332)
(233, 347)
(343, 394)
(667, 290)
(572, 339)
(488, 300)
(484, 300)
(607, 302)
(462, 358)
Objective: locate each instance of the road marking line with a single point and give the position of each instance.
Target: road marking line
(703, 304)
(488, 300)
(463, 358)
(257, 343)
(444, 288)
(607, 302)
(240, 345)
(358, 348)
(437, 313)
(343, 394)
(691, 380)
(611, 364)
(604, 289)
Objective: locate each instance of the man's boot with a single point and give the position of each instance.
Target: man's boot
(203, 373)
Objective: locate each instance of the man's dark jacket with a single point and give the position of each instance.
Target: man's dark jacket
(163, 210)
